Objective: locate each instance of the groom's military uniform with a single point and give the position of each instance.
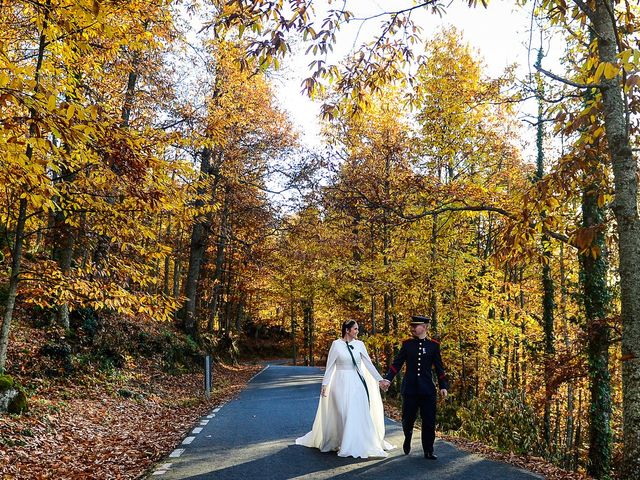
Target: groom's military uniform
(418, 389)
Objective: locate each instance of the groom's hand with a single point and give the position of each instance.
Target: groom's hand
(443, 392)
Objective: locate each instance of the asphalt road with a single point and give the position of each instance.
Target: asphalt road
(253, 437)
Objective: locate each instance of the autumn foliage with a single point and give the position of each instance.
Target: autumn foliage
(154, 191)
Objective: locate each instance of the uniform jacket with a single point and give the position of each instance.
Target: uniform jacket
(420, 356)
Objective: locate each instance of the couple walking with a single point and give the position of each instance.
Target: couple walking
(350, 415)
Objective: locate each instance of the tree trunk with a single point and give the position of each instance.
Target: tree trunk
(522, 364)
(177, 271)
(433, 297)
(306, 332)
(197, 248)
(13, 282)
(373, 315)
(167, 263)
(240, 312)
(596, 300)
(547, 280)
(394, 315)
(228, 280)
(307, 311)
(63, 254)
(549, 348)
(569, 425)
(388, 348)
(386, 246)
(220, 256)
(578, 440)
(293, 330)
(18, 235)
(101, 251)
(129, 96)
(625, 207)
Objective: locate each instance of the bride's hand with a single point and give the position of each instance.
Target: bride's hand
(323, 391)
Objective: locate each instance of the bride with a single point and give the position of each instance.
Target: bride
(350, 417)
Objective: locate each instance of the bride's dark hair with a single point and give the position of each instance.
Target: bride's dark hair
(348, 325)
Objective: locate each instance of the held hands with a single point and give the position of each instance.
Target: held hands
(384, 386)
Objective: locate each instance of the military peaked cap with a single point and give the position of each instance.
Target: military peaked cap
(419, 319)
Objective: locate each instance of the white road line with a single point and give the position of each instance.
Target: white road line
(165, 466)
(188, 440)
(204, 422)
(197, 430)
(216, 410)
(159, 472)
(251, 379)
(176, 453)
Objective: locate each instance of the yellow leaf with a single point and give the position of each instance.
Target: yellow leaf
(610, 70)
(599, 71)
(601, 200)
(4, 79)
(52, 103)
(70, 111)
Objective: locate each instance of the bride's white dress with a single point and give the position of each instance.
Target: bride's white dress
(345, 420)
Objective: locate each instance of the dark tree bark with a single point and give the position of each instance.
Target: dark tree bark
(569, 423)
(197, 247)
(596, 300)
(547, 280)
(433, 295)
(19, 232)
(220, 256)
(294, 325)
(101, 252)
(167, 264)
(63, 255)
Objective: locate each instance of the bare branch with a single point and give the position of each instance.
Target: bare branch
(585, 9)
(568, 82)
(397, 12)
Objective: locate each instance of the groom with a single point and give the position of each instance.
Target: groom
(418, 390)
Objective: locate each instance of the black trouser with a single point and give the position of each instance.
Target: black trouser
(427, 406)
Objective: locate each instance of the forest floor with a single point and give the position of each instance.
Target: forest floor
(101, 424)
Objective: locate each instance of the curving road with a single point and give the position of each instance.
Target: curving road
(252, 437)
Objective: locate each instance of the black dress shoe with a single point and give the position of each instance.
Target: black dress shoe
(430, 456)
(406, 446)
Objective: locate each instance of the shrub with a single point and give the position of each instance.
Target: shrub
(179, 352)
(18, 404)
(447, 415)
(59, 353)
(501, 418)
(227, 348)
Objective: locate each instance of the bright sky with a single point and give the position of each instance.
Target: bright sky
(500, 33)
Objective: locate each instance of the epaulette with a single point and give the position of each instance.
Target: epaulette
(437, 342)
